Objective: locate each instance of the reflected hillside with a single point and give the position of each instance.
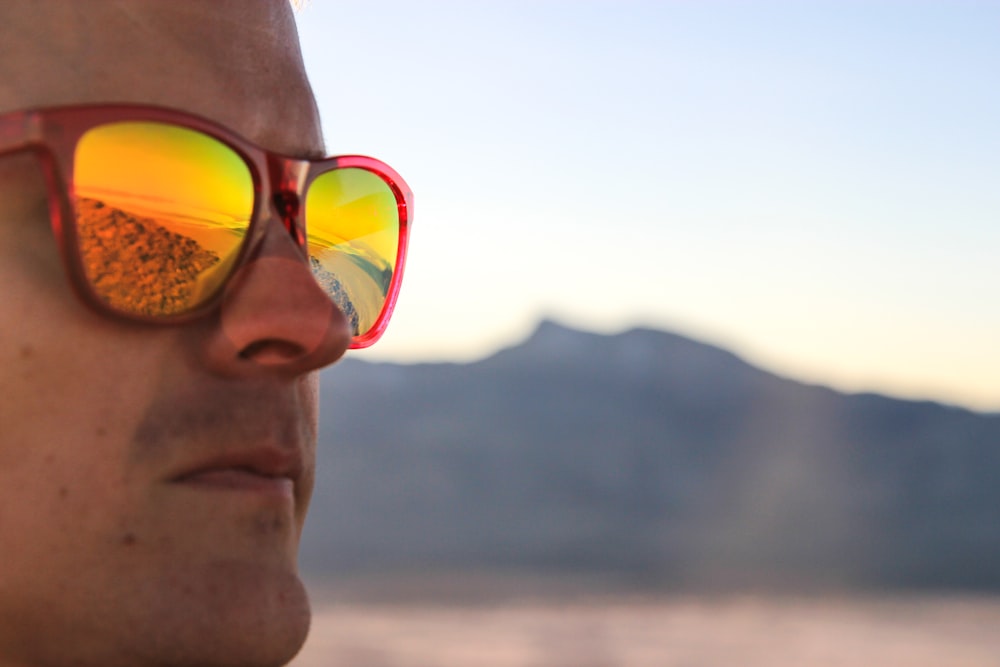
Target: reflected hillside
(355, 277)
(137, 263)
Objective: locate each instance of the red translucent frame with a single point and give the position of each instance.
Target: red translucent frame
(279, 182)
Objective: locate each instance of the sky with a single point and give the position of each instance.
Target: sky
(812, 185)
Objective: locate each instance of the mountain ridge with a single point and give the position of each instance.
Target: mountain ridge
(654, 455)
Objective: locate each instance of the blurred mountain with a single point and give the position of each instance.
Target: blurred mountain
(650, 456)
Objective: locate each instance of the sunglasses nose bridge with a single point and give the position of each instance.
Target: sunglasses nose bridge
(288, 179)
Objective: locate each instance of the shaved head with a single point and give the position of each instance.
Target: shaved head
(235, 61)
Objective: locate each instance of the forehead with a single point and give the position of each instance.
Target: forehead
(234, 61)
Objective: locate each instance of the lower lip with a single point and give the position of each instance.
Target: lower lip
(241, 480)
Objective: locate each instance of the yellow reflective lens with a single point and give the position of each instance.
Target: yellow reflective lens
(352, 221)
(161, 212)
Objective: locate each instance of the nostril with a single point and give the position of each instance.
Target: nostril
(272, 351)
(274, 316)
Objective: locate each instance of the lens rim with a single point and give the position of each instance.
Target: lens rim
(53, 133)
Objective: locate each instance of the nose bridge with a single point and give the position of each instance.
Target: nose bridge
(288, 178)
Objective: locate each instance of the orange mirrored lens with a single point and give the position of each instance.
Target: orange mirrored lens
(352, 221)
(161, 212)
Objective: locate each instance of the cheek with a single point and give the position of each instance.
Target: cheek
(70, 380)
(65, 402)
(62, 442)
(66, 484)
(70, 399)
(52, 496)
(60, 410)
(59, 506)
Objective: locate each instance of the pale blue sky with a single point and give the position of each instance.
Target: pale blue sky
(810, 184)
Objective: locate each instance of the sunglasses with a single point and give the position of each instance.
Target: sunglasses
(154, 210)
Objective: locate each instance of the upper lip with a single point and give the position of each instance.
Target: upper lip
(264, 461)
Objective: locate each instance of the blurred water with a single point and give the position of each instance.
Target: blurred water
(686, 631)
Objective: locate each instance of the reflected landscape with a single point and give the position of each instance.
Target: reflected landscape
(351, 282)
(174, 271)
(184, 259)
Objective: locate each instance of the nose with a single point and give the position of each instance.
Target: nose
(274, 319)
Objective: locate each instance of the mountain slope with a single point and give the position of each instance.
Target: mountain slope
(652, 455)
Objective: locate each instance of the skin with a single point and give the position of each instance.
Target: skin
(108, 556)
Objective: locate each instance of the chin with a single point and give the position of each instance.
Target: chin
(238, 615)
(230, 614)
(263, 619)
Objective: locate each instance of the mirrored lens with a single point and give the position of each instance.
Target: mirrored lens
(161, 212)
(352, 221)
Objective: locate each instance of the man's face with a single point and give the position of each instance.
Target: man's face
(154, 480)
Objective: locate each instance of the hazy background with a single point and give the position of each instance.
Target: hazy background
(795, 457)
(809, 183)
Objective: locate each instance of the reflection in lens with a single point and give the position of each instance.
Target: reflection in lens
(137, 264)
(161, 212)
(352, 220)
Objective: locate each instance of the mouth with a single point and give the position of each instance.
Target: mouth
(240, 479)
(265, 471)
